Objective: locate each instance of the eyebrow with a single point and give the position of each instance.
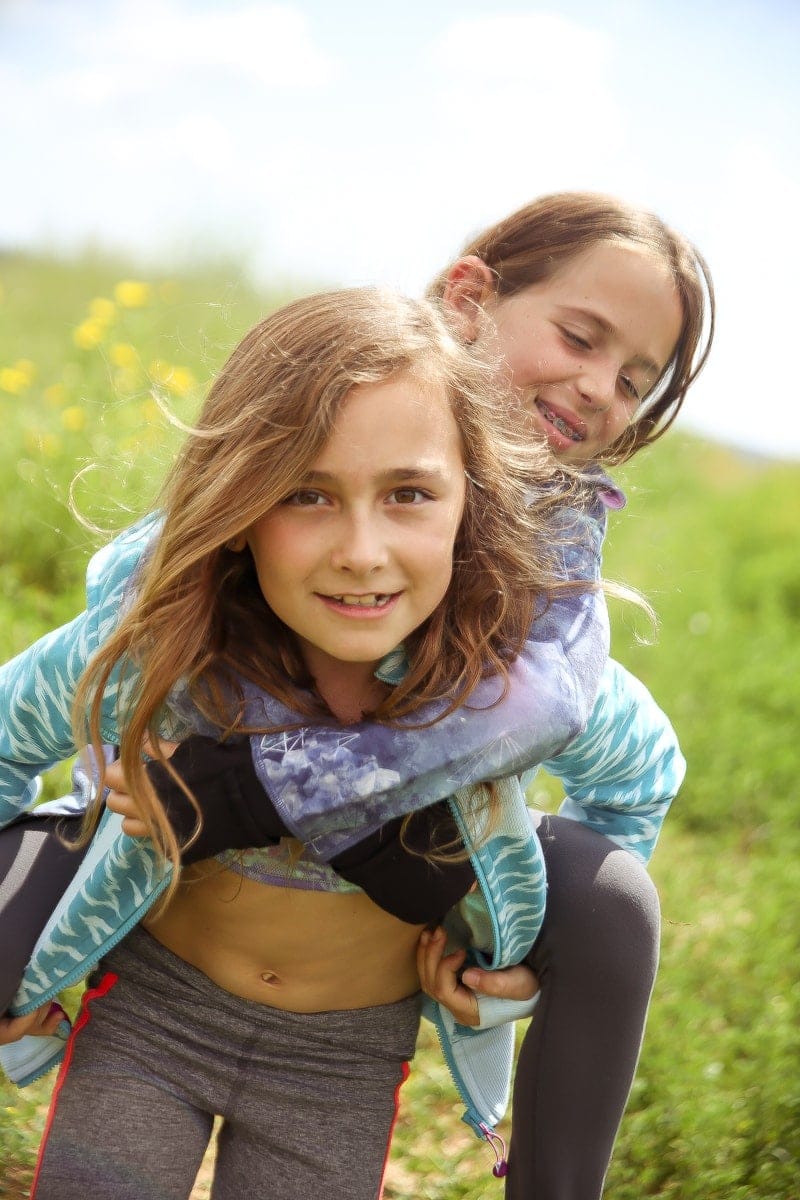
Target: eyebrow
(640, 360)
(395, 475)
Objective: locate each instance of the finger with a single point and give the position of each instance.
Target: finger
(440, 969)
(126, 807)
(50, 1021)
(134, 827)
(166, 748)
(430, 949)
(122, 803)
(513, 983)
(44, 1020)
(114, 777)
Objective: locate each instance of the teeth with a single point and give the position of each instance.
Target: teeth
(560, 424)
(373, 601)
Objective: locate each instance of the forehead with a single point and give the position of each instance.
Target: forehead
(612, 267)
(612, 273)
(406, 420)
(626, 287)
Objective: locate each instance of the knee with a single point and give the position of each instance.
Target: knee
(601, 900)
(626, 898)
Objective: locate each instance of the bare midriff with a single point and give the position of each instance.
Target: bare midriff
(305, 951)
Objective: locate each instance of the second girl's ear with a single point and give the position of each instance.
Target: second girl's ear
(469, 286)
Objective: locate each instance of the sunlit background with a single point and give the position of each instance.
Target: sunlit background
(337, 142)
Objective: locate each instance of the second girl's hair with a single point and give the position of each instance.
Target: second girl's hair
(197, 618)
(533, 243)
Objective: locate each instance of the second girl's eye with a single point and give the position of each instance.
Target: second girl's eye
(576, 339)
(305, 498)
(409, 495)
(630, 387)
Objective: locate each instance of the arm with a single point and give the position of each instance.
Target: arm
(621, 774)
(37, 688)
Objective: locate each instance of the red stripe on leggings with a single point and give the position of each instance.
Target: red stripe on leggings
(406, 1069)
(104, 986)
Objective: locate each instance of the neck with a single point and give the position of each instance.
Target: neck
(348, 689)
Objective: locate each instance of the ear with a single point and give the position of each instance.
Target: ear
(469, 286)
(236, 544)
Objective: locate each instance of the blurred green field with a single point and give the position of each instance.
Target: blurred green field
(709, 536)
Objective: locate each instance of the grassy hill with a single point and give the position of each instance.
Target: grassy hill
(709, 536)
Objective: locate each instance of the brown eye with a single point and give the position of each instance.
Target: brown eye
(305, 498)
(409, 495)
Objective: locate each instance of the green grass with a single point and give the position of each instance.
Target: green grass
(710, 537)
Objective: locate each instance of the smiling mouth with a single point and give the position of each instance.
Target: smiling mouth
(567, 431)
(371, 600)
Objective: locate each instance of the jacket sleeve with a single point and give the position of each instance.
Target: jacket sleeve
(621, 774)
(37, 688)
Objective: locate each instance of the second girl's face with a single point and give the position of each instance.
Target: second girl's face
(584, 347)
(360, 554)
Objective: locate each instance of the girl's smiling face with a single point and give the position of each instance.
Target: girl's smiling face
(584, 347)
(360, 553)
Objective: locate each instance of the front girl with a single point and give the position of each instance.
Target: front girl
(350, 491)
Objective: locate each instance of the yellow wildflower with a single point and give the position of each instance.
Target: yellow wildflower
(73, 419)
(132, 293)
(55, 395)
(27, 368)
(13, 381)
(103, 310)
(178, 380)
(88, 334)
(122, 354)
(50, 445)
(181, 381)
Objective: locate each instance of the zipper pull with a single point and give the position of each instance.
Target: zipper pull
(500, 1168)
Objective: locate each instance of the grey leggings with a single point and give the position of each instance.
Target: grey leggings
(35, 870)
(308, 1101)
(596, 960)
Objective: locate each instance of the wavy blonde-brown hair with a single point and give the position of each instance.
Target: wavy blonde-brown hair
(532, 244)
(198, 618)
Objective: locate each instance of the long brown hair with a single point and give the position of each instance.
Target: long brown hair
(198, 619)
(529, 246)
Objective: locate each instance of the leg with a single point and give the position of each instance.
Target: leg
(132, 1108)
(596, 960)
(316, 1104)
(35, 870)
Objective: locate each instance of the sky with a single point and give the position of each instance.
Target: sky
(335, 142)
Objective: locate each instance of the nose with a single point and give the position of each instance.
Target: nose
(598, 384)
(359, 547)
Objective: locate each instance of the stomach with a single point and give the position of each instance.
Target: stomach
(305, 951)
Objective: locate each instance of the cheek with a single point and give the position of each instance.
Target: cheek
(279, 554)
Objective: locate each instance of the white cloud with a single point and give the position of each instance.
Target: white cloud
(130, 48)
(269, 44)
(530, 88)
(134, 120)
